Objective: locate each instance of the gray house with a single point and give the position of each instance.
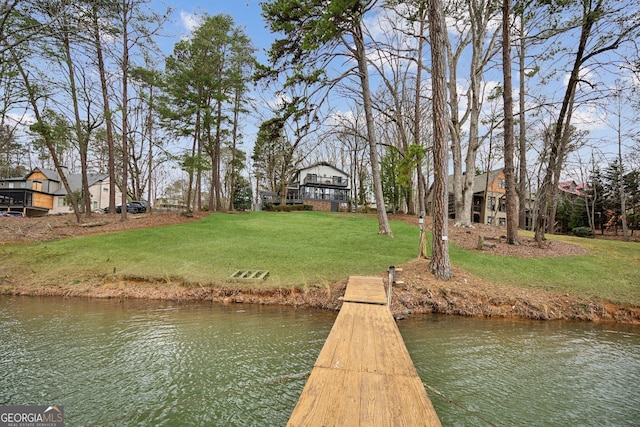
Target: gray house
(321, 185)
(41, 192)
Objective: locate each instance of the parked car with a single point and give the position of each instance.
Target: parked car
(16, 214)
(130, 208)
(140, 205)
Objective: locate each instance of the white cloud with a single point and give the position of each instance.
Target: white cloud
(588, 117)
(25, 118)
(190, 21)
(277, 102)
(19, 122)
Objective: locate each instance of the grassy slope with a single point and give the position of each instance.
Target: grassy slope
(306, 248)
(611, 270)
(310, 249)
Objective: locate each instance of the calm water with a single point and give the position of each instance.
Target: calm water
(524, 373)
(153, 363)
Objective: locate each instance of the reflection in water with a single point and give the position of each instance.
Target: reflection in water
(159, 363)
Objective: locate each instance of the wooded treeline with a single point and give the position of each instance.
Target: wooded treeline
(349, 82)
(84, 85)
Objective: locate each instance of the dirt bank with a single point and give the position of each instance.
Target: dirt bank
(464, 295)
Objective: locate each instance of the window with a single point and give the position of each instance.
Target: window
(501, 184)
(492, 204)
(502, 222)
(489, 220)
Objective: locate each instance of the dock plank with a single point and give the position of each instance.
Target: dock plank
(365, 289)
(364, 375)
(366, 338)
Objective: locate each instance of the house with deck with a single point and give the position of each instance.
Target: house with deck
(41, 192)
(321, 185)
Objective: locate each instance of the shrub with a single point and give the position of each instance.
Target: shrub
(582, 232)
(308, 207)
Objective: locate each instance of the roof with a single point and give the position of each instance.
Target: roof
(323, 164)
(75, 182)
(49, 173)
(479, 181)
(572, 188)
(74, 179)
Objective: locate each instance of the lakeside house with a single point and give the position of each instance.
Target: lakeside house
(170, 204)
(488, 200)
(321, 185)
(41, 192)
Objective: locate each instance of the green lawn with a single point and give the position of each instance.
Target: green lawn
(310, 249)
(298, 249)
(611, 270)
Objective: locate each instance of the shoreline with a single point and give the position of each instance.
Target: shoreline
(460, 296)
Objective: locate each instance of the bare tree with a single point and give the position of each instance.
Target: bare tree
(312, 36)
(96, 10)
(476, 27)
(604, 27)
(44, 129)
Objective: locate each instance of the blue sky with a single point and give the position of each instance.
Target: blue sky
(245, 13)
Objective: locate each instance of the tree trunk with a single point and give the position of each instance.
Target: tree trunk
(383, 221)
(81, 138)
(125, 105)
(456, 127)
(217, 158)
(440, 265)
(512, 208)
(522, 180)
(623, 194)
(234, 144)
(211, 204)
(417, 115)
(106, 108)
(150, 131)
(478, 34)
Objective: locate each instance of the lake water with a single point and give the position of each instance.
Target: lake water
(150, 363)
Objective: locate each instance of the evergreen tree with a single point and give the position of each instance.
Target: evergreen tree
(242, 194)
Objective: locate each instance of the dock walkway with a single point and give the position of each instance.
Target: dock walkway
(364, 375)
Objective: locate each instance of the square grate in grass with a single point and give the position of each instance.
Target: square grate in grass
(248, 276)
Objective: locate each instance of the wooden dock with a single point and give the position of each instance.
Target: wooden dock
(364, 375)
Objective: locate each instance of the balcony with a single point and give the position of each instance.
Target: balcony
(327, 181)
